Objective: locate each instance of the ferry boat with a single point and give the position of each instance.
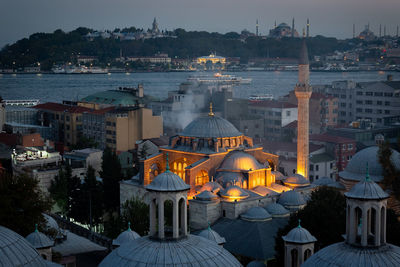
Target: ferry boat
(256, 98)
(78, 70)
(219, 78)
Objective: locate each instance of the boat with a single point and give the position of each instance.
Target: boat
(256, 98)
(219, 78)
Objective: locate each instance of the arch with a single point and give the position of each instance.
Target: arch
(294, 257)
(383, 226)
(168, 217)
(307, 254)
(154, 170)
(202, 177)
(178, 167)
(358, 213)
(182, 205)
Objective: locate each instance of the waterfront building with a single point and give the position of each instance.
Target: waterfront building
(156, 59)
(211, 62)
(83, 158)
(276, 115)
(94, 125)
(303, 93)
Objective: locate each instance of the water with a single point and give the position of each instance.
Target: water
(58, 87)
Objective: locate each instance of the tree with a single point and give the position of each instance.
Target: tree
(22, 203)
(85, 142)
(391, 176)
(111, 174)
(59, 191)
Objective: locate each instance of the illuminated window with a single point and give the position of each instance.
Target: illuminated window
(179, 167)
(202, 178)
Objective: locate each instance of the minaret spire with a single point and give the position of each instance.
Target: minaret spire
(308, 28)
(292, 27)
(211, 113)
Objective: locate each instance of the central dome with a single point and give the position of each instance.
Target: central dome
(238, 160)
(210, 127)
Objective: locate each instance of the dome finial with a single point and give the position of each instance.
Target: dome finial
(167, 167)
(209, 225)
(367, 178)
(299, 226)
(36, 227)
(129, 226)
(211, 114)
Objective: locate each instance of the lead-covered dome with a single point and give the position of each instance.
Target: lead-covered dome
(291, 199)
(210, 234)
(39, 240)
(167, 182)
(212, 187)
(206, 196)
(256, 214)
(241, 161)
(355, 169)
(342, 254)
(126, 236)
(210, 127)
(277, 210)
(299, 235)
(190, 251)
(17, 251)
(296, 180)
(367, 189)
(234, 192)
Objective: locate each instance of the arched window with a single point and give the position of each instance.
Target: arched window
(307, 254)
(179, 166)
(153, 171)
(202, 177)
(294, 256)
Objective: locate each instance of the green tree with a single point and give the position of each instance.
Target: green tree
(111, 175)
(59, 191)
(22, 203)
(391, 175)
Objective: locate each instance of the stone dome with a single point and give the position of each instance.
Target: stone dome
(17, 251)
(355, 169)
(211, 186)
(366, 189)
(342, 254)
(277, 210)
(51, 224)
(167, 182)
(206, 196)
(190, 251)
(256, 214)
(299, 235)
(227, 179)
(327, 181)
(278, 175)
(125, 236)
(241, 161)
(234, 192)
(39, 240)
(291, 199)
(296, 180)
(210, 234)
(210, 127)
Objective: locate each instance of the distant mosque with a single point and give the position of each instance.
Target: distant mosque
(283, 30)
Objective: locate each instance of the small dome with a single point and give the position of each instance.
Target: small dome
(291, 198)
(17, 251)
(278, 175)
(296, 180)
(190, 251)
(277, 210)
(234, 192)
(366, 189)
(326, 181)
(230, 178)
(51, 224)
(299, 235)
(263, 191)
(256, 214)
(239, 160)
(343, 254)
(210, 127)
(355, 169)
(125, 236)
(210, 234)
(206, 196)
(212, 187)
(167, 182)
(39, 240)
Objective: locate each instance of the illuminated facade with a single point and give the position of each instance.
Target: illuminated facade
(214, 59)
(303, 93)
(210, 147)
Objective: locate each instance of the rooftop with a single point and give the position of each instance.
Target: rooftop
(57, 107)
(273, 104)
(330, 138)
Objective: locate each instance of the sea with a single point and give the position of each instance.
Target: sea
(72, 87)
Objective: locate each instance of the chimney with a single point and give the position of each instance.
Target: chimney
(140, 90)
(390, 78)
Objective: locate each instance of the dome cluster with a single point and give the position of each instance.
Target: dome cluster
(210, 127)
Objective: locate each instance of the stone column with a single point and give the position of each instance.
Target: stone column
(353, 226)
(377, 227)
(153, 229)
(384, 226)
(184, 217)
(161, 233)
(175, 219)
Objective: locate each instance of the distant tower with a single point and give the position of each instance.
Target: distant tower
(303, 93)
(275, 25)
(292, 27)
(155, 26)
(308, 28)
(384, 30)
(397, 31)
(354, 30)
(380, 30)
(257, 27)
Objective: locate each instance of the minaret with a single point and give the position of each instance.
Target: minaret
(275, 25)
(380, 30)
(257, 27)
(397, 32)
(384, 30)
(354, 30)
(303, 93)
(292, 27)
(308, 28)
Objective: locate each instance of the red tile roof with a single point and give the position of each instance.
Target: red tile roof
(272, 104)
(9, 139)
(330, 138)
(292, 125)
(101, 111)
(50, 106)
(316, 95)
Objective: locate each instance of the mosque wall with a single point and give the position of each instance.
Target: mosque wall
(201, 213)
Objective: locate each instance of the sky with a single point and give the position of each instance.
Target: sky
(21, 18)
